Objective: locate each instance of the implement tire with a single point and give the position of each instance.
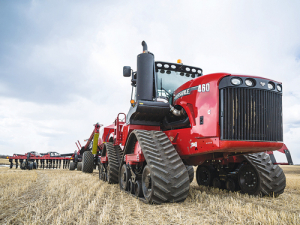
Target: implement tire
(72, 166)
(87, 162)
(269, 178)
(79, 166)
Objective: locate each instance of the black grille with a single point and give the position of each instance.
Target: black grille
(250, 114)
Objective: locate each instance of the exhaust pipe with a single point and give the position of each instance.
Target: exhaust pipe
(176, 112)
(145, 75)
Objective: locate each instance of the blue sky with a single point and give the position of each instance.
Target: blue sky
(61, 61)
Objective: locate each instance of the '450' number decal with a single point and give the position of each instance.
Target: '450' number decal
(204, 87)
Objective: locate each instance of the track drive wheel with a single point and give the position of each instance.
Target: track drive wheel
(204, 175)
(190, 170)
(79, 166)
(72, 165)
(87, 162)
(260, 177)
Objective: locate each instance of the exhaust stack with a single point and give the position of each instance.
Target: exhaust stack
(145, 78)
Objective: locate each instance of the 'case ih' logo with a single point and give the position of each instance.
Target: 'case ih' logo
(262, 83)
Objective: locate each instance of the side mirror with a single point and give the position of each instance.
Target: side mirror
(126, 71)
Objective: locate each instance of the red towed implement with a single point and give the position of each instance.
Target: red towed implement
(34, 160)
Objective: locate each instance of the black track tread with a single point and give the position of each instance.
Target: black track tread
(169, 175)
(72, 166)
(272, 178)
(113, 162)
(87, 162)
(191, 172)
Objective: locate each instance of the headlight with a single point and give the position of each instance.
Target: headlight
(249, 82)
(271, 86)
(279, 88)
(236, 81)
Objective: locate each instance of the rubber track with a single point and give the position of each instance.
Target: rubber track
(87, 162)
(169, 175)
(272, 178)
(113, 162)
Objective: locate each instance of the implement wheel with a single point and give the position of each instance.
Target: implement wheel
(30, 165)
(72, 166)
(79, 166)
(87, 162)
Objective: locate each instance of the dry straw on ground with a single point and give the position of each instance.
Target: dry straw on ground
(4, 161)
(72, 197)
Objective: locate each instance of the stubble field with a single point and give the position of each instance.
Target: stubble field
(72, 197)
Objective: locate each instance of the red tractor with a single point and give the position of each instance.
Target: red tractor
(222, 123)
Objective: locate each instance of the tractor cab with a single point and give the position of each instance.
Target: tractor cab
(153, 86)
(170, 76)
